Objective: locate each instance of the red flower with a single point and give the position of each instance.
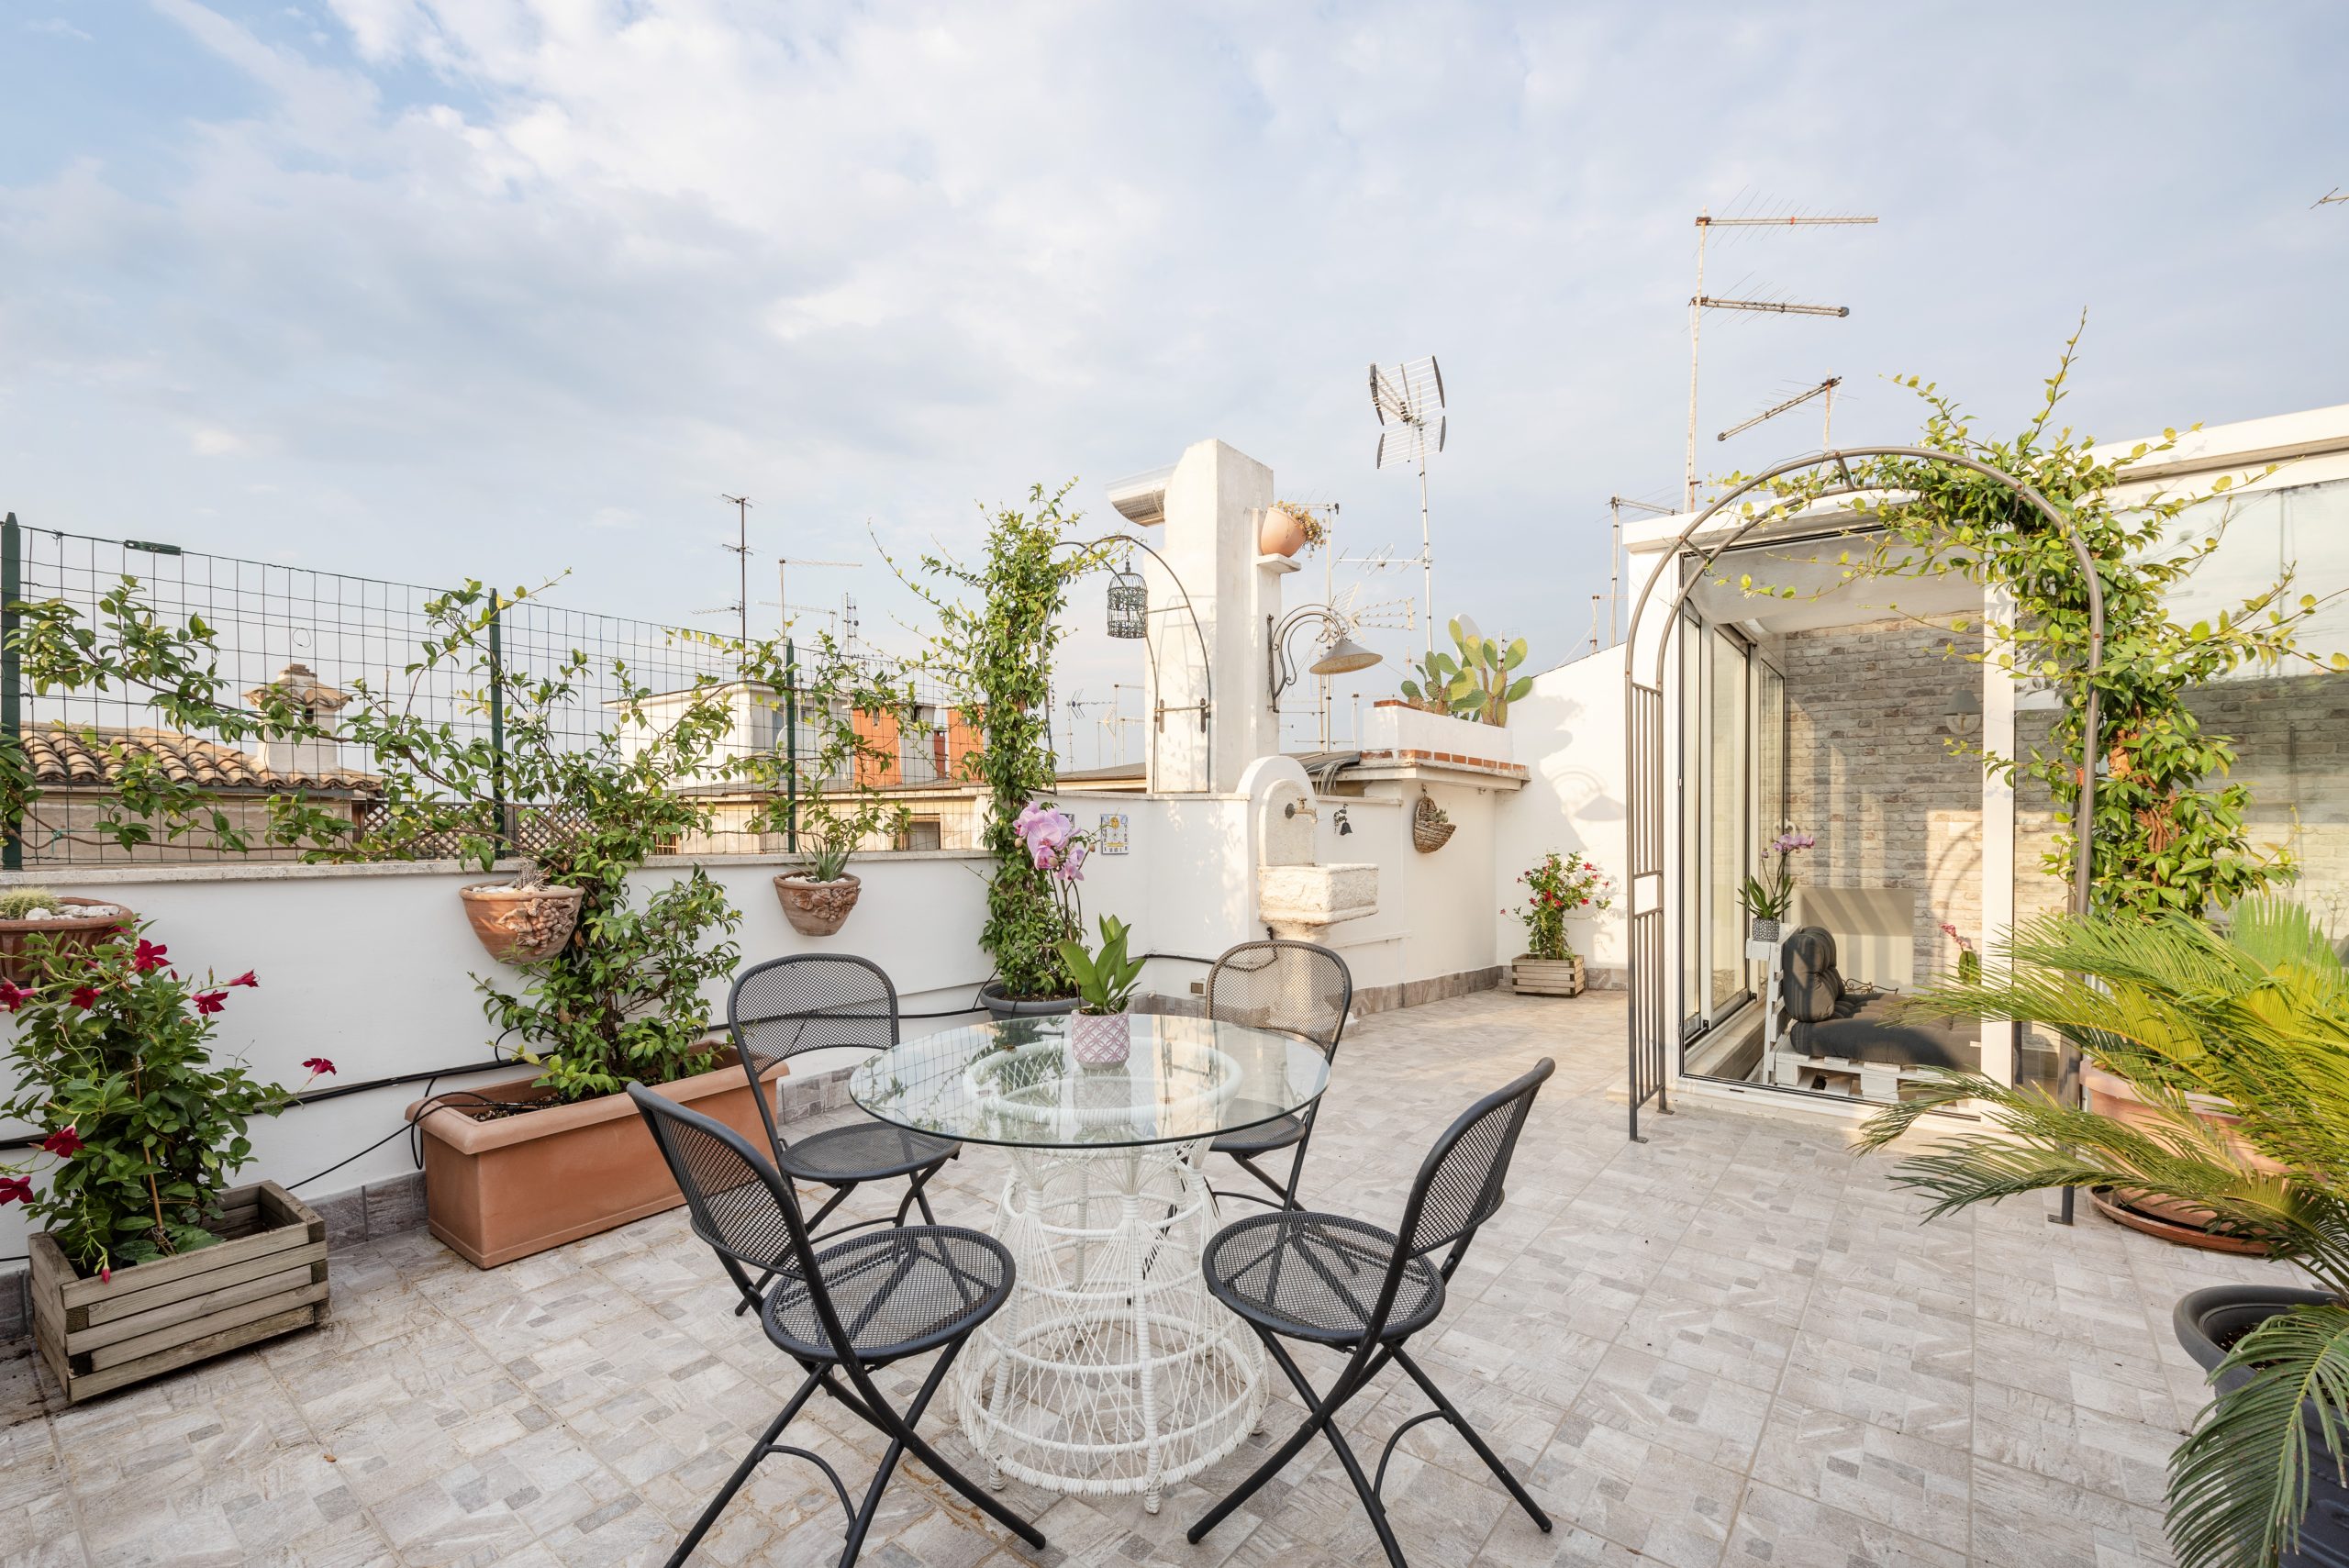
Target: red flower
(245, 979)
(147, 957)
(317, 1064)
(12, 996)
(106, 1273)
(65, 1143)
(85, 996)
(16, 1189)
(208, 1002)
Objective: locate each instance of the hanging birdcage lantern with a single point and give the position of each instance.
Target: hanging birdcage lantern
(1128, 604)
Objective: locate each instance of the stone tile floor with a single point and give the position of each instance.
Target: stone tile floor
(1730, 1345)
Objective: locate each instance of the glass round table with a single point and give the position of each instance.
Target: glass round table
(1111, 1369)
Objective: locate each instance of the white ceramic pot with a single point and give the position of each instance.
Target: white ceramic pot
(1099, 1040)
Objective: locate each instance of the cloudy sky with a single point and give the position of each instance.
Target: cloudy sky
(429, 290)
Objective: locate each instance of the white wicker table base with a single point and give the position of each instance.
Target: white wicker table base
(1111, 1369)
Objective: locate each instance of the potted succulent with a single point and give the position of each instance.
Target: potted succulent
(1477, 683)
(1288, 527)
(2253, 1019)
(1098, 1035)
(144, 1258)
(28, 912)
(1768, 897)
(1557, 887)
(846, 766)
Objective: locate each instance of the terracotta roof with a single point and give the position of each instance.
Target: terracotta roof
(62, 757)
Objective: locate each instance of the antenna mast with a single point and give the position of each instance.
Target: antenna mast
(741, 548)
(1699, 302)
(1408, 401)
(1615, 505)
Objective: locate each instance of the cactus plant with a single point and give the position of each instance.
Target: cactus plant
(1477, 683)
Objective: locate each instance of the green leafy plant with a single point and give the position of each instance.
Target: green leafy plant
(837, 803)
(2257, 1017)
(2171, 830)
(997, 629)
(1556, 887)
(142, 1128)
(1106, 977)
(1475, 683)
(16, 903)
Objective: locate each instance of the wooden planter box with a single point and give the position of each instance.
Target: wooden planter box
(502, 1189)
(1546, 976)
(267, 1278)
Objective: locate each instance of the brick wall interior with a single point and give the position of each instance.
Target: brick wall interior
(1870, 772)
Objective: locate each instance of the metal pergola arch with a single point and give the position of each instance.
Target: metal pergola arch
(1651, 1031)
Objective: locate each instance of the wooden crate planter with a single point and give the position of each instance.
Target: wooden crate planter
(1546, 976)
(268, 1277)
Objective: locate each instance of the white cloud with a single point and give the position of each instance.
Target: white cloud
(211, 441)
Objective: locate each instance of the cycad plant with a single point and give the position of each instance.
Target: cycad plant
(2256, 1015)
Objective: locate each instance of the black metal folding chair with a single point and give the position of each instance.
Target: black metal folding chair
(1338, 1282)
(842, 1313)
(811, 1002)
(1295, 988)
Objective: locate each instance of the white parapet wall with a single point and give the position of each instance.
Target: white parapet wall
(1568, 732)
(372, 968)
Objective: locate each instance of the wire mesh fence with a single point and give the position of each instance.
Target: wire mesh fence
(334, 633)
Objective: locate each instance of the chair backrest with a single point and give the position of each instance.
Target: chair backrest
(1295, 987)
(1461, 1182)
(808, 1002)
(737, 1204)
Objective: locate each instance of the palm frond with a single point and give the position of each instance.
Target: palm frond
(2239, 1484)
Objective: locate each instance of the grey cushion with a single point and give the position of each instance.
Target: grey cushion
(1808, 983)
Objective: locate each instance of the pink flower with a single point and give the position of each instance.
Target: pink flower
(106, 1273)
(318, 1064)
(209, 1002)
(85, 996)
(16, 1189)
(12, 996)
(65, 1143)
(147, 957)
(245, 979)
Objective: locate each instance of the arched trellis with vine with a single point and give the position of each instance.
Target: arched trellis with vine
(1098, 550)
(1651, 1028)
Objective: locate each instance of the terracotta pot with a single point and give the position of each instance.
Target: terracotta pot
(2109, 1095)
(1546, 976)
(502, 1189)
(1281, 533)
(1099, 1040)
(521, 925)
(16, 965)
(816, 909)
(992, 998)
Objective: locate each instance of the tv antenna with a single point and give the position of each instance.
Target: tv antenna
(2330, 198)
(1827, 428)
(1615, 505)
(783, 565)
(1408, 401)
(741, 548)
(1700, 302)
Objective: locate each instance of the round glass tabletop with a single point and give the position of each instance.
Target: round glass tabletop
(1042, 1083)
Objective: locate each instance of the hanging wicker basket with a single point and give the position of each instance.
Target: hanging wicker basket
(1430, 830)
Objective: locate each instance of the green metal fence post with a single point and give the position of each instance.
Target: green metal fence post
(12, 714)
(498, 718)
(790, 746)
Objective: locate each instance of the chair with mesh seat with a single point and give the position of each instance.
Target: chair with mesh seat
(842, 1312)
(1352, 1286)
(786, 1006)
(1293, 988)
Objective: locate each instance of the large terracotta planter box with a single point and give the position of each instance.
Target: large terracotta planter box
(502, 1189)
(267, 1277)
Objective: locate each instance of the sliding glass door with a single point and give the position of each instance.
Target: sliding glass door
(1733, 765)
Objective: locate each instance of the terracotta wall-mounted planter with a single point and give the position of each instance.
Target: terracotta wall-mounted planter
(816, 909)
(71, 928)
(521, 925)
(1281, 533)
(502, 1189)
(267, 1277)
